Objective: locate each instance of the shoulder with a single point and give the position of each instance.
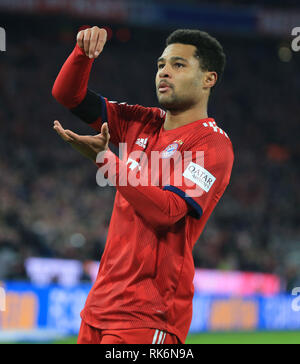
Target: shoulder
(136, 111)
(214, 144)
(208, 133)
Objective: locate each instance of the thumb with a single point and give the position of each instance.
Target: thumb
(105, 131)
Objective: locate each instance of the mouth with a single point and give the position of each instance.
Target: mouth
(164, 87)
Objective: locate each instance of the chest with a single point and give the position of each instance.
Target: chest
(146, 145)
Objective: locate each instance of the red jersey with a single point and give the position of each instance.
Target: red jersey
(145, 278)
(146, 273)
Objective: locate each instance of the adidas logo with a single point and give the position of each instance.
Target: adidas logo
(142, 142)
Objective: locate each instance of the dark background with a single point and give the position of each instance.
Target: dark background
(50, 204)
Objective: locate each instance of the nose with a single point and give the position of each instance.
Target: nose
(164, 72)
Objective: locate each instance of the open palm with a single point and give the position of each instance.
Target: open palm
(87, 145)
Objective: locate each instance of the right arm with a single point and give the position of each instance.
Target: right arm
(71, 85)
(71, 90)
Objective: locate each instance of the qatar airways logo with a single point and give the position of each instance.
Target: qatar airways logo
(181, 169)
(2, 40)
(200, 176)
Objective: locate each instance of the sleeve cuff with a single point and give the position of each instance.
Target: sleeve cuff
(91, 108)
(80, 53)
(197, 211)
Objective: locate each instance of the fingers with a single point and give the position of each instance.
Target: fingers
(105, 131)
(80, 37)
(61, 131)
(72, 135)
(92, 41)
(68, 135)
(102, 38)
(81, 139)
(87, 145)
(86, 41)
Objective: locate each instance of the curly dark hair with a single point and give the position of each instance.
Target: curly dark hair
(209, 51)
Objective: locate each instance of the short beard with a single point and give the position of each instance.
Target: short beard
(174, 104)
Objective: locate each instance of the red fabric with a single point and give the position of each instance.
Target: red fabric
(121, 116)
(146, 273)
(91, 335)
(70, 86)
(164, 208)
(145, 277)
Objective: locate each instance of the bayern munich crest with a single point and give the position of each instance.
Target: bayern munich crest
(170, 150)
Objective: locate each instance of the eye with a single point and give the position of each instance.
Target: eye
(160, 66)
(178, 65)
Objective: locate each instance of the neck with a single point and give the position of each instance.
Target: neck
(175, 119)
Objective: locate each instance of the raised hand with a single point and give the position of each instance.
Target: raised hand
(87, 145)
(92, 41)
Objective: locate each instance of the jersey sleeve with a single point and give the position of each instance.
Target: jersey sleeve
(203, 174)
(163, 208)
(71, 90)
(120, 116)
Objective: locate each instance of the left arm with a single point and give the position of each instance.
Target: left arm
(160, 208)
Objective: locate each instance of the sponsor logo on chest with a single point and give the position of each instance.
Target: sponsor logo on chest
(171, 149)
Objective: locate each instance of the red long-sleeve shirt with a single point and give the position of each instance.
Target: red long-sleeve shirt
(146, 273)
(70, 89)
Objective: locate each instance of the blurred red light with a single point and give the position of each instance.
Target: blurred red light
(123, 35)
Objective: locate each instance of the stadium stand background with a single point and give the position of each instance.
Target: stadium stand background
(50, 205)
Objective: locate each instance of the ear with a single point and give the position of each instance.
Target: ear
(210, 79)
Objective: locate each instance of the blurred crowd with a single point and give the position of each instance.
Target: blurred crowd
(263, 3)
(50, 204)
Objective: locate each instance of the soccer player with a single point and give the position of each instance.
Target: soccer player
(144, 288)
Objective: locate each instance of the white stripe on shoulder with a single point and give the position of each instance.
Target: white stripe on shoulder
(162, 113)
(155, 336)
(160, 337)
(163, 340)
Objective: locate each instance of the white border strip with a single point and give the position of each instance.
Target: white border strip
(155, 336)
(160, 337)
